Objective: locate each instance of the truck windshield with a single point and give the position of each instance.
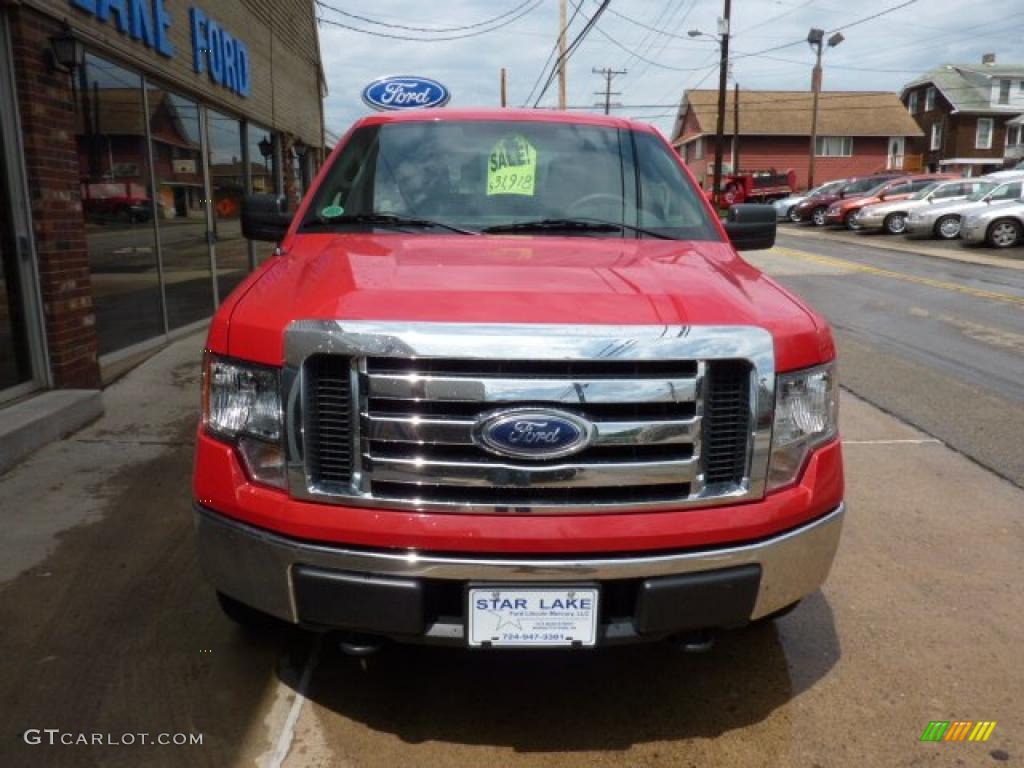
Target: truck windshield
(506, 176)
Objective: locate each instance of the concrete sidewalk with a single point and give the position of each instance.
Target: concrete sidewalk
(1012, 258)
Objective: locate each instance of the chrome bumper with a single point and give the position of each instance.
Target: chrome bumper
(256, 566)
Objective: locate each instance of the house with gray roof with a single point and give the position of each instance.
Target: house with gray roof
(963, 110)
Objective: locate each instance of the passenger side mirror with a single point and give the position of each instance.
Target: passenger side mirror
(265, 217)
(751, 227)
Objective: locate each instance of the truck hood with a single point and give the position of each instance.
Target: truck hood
(512, 279)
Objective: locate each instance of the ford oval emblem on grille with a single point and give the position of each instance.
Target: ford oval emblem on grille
(532, 433)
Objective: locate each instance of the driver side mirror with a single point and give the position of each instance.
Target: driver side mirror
(265, 217)
(751, 227)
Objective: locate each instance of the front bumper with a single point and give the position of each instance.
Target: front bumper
(418, 597)
(870, 220)
(921, 227)
(835, 217)
(973, 232)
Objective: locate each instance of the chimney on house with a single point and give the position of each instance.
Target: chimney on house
(988, 59)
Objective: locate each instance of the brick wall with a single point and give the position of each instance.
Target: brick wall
(785, 152)
(48, 126)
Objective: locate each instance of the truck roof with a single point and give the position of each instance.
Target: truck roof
(512, 115)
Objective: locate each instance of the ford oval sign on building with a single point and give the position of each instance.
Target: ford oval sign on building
(405, 93)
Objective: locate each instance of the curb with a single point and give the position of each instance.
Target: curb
(961, 255)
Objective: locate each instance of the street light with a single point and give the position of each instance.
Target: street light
(66, 50)
(723, 71)
(815, 38)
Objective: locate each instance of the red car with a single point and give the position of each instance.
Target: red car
(814, 207)
(508, 384)
(844, 212)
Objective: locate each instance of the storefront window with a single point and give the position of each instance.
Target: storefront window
(261, 165)
(15, 367)
(115, 188)
(227, 186)
(178, 168)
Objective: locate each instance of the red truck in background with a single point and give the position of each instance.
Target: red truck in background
(508, 383)
(761, 186)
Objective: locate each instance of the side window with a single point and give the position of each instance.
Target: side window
(916, 186)
(667, 200)
(896, 189)
(950, 190)
(1008, 191)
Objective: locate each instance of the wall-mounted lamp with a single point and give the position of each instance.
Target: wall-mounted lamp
(266, 147)
(67, 52)
(300, 148)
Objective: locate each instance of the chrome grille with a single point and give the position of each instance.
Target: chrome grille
(669, 431)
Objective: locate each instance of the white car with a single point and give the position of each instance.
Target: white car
(784, 207)
(1000, 226)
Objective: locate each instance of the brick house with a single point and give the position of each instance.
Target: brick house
(963, 111)
(859, 133)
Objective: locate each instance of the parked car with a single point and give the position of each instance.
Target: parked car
(943, 220)
(891, 216)
(785, 209)
(1000, 226)
(844, 212)
(814, 208)
(757, 186)
(435, 417)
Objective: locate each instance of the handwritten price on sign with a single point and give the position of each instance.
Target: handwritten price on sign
(510, 184)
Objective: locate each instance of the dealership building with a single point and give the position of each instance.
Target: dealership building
(130, 130)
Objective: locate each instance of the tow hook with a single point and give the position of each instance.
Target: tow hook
(699, 641)
(359, 646)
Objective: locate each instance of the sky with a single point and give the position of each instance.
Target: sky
(880, 54)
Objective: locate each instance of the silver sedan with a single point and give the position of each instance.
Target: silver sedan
(891, 216)
(942, 220)
(1000, 226)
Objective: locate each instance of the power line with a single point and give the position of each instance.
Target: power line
(561, 61)
(551, 55)
(388, 25)
(609, 75)
(334, 23)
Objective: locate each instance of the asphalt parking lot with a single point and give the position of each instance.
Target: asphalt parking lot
(109, 627)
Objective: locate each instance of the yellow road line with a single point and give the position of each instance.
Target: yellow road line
(832, 261)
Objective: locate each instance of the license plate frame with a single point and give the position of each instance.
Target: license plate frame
(538, 625)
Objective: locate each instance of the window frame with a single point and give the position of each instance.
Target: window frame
(698, 148)
(1005, 88)
(929, 98)
(977, 133)
(913, 102)
(935, 139)
(821, 146)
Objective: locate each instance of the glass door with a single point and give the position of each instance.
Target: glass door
(15, 364)
(227, 188)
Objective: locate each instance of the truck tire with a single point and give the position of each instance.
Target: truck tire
(1003, 233)
(948, 227)
(818, 216)
(895, 223)
(245, 616)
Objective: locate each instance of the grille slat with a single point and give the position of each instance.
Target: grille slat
(328, 401)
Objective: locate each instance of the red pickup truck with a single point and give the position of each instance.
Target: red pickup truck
(507, 383)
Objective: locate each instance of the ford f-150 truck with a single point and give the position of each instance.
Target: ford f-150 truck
(507, 382)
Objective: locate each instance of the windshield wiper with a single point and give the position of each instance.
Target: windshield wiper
(579, 225)
(388, 220)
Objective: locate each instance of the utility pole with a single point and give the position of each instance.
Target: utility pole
(816, 37)
(736, 128)
(562, 24)
(504, 87)
(723, 71)
(608, 75)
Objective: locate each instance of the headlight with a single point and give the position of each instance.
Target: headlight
(242, 405)
(806, 416)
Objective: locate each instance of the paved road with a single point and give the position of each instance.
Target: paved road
(937, 342)
(106, 626)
